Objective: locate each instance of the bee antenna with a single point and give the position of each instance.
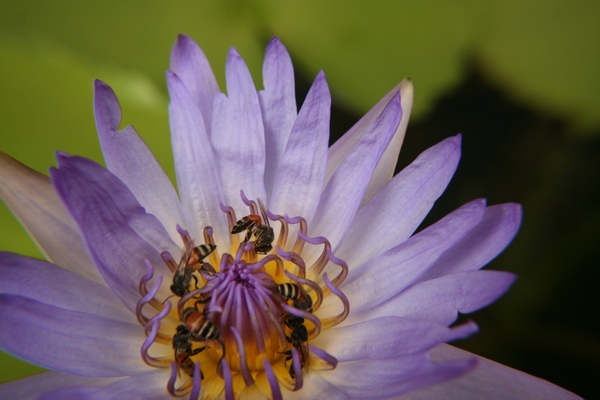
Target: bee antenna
(167, 299)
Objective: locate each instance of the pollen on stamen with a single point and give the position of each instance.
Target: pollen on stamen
(240, 315)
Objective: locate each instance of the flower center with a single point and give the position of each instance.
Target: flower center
(242, 321)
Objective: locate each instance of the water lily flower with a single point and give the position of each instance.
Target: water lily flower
(281, 269)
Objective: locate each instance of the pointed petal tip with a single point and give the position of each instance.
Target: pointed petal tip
(276, 48)
(182, 38)
(275, 42)
(99, 85)
(233, 54)
(103, 92)
(107, 108)
(183, 45)
(456, 140)
(320, 82)
(61, 156)
(407, 88)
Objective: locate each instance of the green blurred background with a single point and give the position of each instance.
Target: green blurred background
(519, 79)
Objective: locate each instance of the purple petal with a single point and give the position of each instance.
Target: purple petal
(388, 337)
(238, 136)
(190, 64)
(441, 299)
(69, 341)
(149, 385)
(398, 209)
(49, 284)
(32, 387)
(489, 380)
(278, 104)
(130, 159)
(383, 277)
(495, 231)
(111, 221)
(342, 196)
(376, 379)
(299, 179)
(197, 176)
(387, 165)
(145, 224)
(33, 200)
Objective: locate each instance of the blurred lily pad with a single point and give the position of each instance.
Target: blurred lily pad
(138, 35)
(46, 103)
(546, 52)
(366, 48)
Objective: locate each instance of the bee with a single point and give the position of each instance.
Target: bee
(189, 263)
(299, 339)
(263, 234)
(301, 300)
(200, 327)
(183, 350)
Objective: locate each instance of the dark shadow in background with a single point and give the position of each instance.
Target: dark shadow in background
(547, 324)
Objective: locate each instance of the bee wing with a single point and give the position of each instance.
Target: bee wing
(186, 255)
(304, 354)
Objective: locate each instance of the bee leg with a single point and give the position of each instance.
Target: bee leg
(198, 350)
(249, 231)
(288, 356)
(195, 281)
(202, 301)
(206, 267)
